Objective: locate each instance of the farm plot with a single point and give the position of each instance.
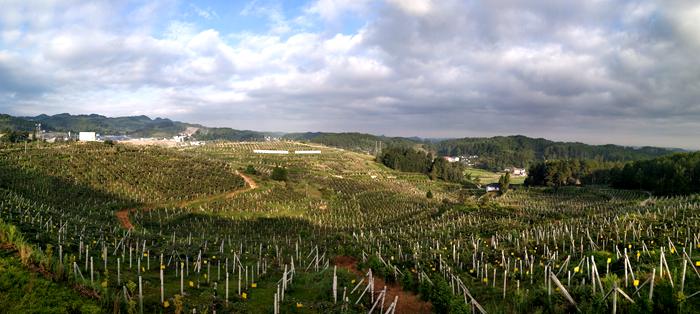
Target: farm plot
(273, 249)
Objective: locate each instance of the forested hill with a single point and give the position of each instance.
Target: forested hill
(134, 126)
(668, 175)
(8, 122)
(521, 151)
(141, 126)
(354, 141)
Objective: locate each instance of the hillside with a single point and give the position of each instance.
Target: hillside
(360, 142)
(228, 134)
(494, 153)
(137, 126)
(215, 245)
(503, 151)
(8, 122)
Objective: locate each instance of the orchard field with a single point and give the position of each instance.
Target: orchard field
(124, 229)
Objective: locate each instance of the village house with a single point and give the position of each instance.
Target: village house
(493, 187)
(518, 172)
(451, 159)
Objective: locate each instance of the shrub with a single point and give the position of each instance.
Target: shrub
(279, 174)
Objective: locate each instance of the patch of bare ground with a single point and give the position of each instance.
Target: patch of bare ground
(409, 302)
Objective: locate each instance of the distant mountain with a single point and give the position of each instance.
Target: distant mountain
(506, 151)
(494, 153)
(136, 126)
(8, 122)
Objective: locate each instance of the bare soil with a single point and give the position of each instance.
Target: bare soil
(409, 302)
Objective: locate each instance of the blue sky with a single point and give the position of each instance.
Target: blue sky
(594, 71)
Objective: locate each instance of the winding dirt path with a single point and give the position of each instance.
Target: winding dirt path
(123, 215)
(409, 302)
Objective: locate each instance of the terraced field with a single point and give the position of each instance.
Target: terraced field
(331, 237)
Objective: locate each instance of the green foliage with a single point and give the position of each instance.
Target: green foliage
(570, 172)
(406, 159)
(499, 152)
(10, 123)
(412, 160)
(138, 126)
(429, 194)
(249, 169)
(668, 175)
(504, 182)
(9, 136)
(338, 203)
(279, 174)
(22, 291)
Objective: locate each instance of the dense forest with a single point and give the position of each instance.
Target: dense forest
(412, 160)
(570, 172)
(668, 175)
(499, 152)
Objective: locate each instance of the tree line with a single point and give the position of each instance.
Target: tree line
(413, 160)
(570, 172)
(497, 153)
(668, 175)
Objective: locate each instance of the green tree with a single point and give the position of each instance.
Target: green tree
(504, 181)
(279, 174)
(250, 170)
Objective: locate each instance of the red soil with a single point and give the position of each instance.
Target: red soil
(408, 303)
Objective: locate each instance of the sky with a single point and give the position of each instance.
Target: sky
(597, 71)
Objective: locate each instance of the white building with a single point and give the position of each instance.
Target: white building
(518, 172)
(179, 138)
(494, 187)
(451, 159)
(87, 136)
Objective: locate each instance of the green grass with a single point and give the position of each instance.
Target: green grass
(24, 291)
(487, 177)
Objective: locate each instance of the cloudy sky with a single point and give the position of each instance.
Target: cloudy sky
(598, 71)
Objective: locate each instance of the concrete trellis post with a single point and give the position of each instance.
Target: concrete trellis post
(335, 285)
(140, 295)
(162, 290)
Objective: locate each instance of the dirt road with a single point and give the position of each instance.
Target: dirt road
(123, 215)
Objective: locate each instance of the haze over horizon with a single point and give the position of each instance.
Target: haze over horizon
(622, 72)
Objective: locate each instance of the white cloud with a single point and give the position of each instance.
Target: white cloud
(331, 10)
(414, 7)
(206, 14)
(431, 68)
